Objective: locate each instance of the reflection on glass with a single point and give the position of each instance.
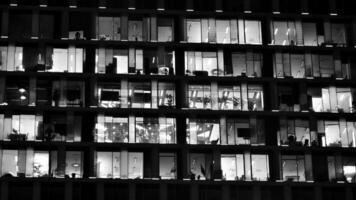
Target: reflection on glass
(203, 131)
(20, 127)
(255, 98)
(40, 163)
(17, 91)
(135, 30)
(331, 99)
(247, 64)
(74, 164)
(135, 161)
(342, 168)
(108, 28)
(223, 31)
(68, 93)
(194, 30)
(109, 95)
(294, 132)
(338, 34)
(166, 94)
(229, 98)
(260, 167)
(349, 169)
(140, 95)
(202, 63)
(200, 166)
(165, 30)
(199, 96)
(108, 164)
(336, 133)
(26, 163)
(293, 168)
(245, 167)
(112, 129)
(167, 166)
(252, 32)
(245, 131)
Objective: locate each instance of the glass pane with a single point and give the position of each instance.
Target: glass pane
(338, 33)
(167, 166)
(260, 167)
(297, 65)
(147, 130)
(104, 164)
(74, 164)
(135, 165)
(223, 31)
(255, 98)
(228, 167)
(197, 166)
(280, 33)
(194, 31)
(309, 34)
(253, 32)
(135, 30)
(332, 133)
(9, 162)
(344, 99)
(40, 163)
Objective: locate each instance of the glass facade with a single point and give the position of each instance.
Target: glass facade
(164, 99)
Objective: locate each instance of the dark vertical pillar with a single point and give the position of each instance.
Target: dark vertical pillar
(155, 162)
(43, 3)
(124, 26)
(225, 190)
(131, 4)
(276, 166)
(304, 6)
(91, 162)
(4, 190)
(303, 98)
(102, 4)
(163, 192)
(256, 190)
(100, 191)
(182, 30)
(349, 194)
(2, 88)
(13, 2)
(61, 162)
(353, 33)
(93, 26)
(318, 193)
(36, 191)
(218, 6)
(35, 24)
(194, 191)
(287, 192)
(132, 191)
(72, 3)
(68, 190)
(160, 5)
(247, 6)
(5, 23)
(184, 163)
(332, 7)
(275, 7)
(189, 5)
(274, 96)
(64, 24)
(217, 164)
(93, 90)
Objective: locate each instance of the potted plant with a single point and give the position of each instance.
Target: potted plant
(16, 136)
